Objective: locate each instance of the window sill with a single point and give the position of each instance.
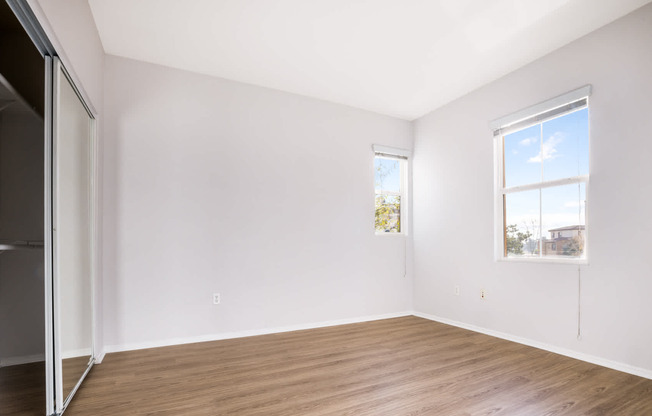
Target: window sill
(401, 234)
(543, 260)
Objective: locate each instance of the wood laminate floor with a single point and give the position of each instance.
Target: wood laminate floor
(395, 367)
(22, 387)
(22, 390)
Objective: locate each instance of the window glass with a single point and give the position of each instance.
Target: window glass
(563, 211)
(387, 174)
(388, 213)
(521, 150)
(389, 187)
(521, 223)
(565, 147)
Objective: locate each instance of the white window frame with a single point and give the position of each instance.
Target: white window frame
(531, 116)
(402, 155)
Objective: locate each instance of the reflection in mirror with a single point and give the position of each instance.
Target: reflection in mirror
(72, 234)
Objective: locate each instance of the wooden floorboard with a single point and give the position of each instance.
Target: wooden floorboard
(398, 367)
(22, 390)
(22, 387)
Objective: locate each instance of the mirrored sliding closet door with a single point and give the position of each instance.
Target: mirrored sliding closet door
(72, 235)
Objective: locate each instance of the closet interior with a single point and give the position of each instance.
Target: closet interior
(22, 277)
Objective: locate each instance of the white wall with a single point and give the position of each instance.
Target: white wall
(453, 205)
(263, 196)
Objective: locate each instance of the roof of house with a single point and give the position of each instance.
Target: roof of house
(568, 228)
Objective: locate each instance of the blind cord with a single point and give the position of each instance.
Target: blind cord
(579, 303)
(405, 256)
(579, 269)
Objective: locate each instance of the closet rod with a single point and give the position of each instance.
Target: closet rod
(21, 245)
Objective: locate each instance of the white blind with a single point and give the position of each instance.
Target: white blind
(391, 152)
(565, 103)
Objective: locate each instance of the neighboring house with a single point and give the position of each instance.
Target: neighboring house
(565, 241)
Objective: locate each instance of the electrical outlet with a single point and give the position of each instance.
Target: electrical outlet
(457, 290)
(216, 298)
(483, 294)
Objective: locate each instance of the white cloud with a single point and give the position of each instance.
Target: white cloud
(548, 149)
(514, 151)
(528, 141)
(571, 204)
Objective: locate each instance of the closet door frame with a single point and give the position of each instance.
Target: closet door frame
(48, 246)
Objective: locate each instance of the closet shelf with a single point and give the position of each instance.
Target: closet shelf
(20, 245)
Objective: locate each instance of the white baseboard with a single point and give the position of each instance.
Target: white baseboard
(26, 359)
(615, 365)
(248, 333)
(23, 359)
(99, 357)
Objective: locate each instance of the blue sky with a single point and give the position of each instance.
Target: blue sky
(558, 149)
(389, 176)
(563, 151)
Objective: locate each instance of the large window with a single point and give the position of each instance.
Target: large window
(542, 166)
(390, 173)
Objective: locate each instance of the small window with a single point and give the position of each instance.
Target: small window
(542, 165)
(390, 167)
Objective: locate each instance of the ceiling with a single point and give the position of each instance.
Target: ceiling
(402, 58)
